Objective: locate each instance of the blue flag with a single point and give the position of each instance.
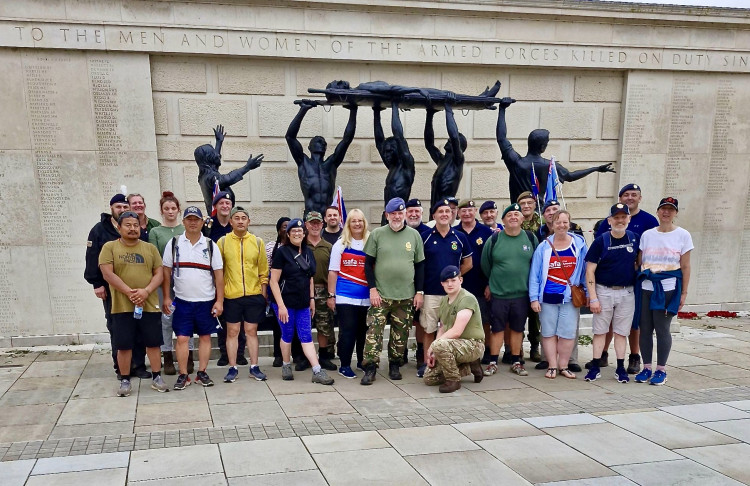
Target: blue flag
(552, 181)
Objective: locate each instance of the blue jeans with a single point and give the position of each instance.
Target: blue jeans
(559, 320)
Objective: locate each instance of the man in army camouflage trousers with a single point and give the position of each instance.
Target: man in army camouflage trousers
(323, 318)
(394, 267)
(460, 339)
(532, 221)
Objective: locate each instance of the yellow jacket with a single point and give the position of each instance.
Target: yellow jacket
(245, 265)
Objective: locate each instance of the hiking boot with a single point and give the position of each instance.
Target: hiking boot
(592, 375)
(393, 372)
(370, 371)
(476, 370)
(621, 375)
(507, 357)
(125, 388)
(278, 362)
(643, 376)
(634, 364)
(594, 363)
(574, 367)
(241, 360)
(420, 371)
(158, 384)
(449, 386)
(327, 364)
(542, 365)
(183, 381)
(346, 372)
(604, 360)
(203, 379)
(322, 378)
(302, 364)
(190, 363)
(534, 354)
(257, 374)
(169, 368)
(659, 378)
(286, 372)
(518, 369)
(231, 375)
(491, 369)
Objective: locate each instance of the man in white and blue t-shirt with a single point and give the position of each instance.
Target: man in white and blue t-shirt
(610, 275)
(194, 263)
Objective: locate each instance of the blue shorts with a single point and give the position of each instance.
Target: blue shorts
(559, 320)
(193, 318)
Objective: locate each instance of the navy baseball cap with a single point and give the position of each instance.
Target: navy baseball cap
(221, 195)
(629, 187)
(395, 204)
(487, 205)
(668, 201)
(413, 203)
(449, 272)
(192, 211)
(619, 208)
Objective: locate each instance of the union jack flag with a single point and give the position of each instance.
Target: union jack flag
(338, 202)
(213, 196)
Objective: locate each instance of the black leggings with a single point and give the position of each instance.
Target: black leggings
(352, 329)
(659, 321)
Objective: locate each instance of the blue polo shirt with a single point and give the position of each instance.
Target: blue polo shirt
(422, 228)
(616, 265)
(440, 252)
(475, 281)
(638, 224)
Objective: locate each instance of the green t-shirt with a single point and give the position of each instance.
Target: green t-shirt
(322, 254)
(507, 261)
(395, 255)
(135, 266)
(161, 235)
(447, 314)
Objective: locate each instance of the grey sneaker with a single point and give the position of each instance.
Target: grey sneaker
(125, 388)
(159, 385)
(322, 378)
(286, 372)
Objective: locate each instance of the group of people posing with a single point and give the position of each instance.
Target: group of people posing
(468, 287)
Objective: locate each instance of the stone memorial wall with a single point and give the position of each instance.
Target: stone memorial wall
(95, 95)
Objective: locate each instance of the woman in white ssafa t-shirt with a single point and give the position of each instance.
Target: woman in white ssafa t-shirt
(664, 278)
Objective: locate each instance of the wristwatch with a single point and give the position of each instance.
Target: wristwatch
(420, 292)
(331, 296)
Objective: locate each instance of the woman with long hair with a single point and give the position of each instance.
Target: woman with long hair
(160, 236)
(293, 300)
(558, 263)
(663, 285)
(271, 247)
(348, 294)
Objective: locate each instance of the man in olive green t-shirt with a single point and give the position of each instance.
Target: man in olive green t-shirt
(460, 339)
(394, 267)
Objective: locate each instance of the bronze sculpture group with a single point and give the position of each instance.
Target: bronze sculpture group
(317, 173)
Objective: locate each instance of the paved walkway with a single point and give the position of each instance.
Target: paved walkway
(61, 424)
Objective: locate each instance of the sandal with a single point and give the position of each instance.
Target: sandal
(551, 373)
(568, 374)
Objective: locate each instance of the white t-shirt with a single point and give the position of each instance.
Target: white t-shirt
(662, 252)
(193, 280)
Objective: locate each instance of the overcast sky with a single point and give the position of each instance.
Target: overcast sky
(706, 3)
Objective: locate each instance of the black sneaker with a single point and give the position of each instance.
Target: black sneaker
(202, 378)
(277, 362)
(142, 373)
(574, 367)
(302, 364)
(507, 357)
(241, 360)
(327, 364)
(542, 365)
(183, 381)
(223, 360)
(634, 364)
(604, 360)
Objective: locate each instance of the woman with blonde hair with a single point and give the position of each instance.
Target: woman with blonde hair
(348, 294)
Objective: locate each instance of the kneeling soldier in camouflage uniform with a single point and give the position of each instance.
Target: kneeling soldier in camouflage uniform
(394, 267)
(460, 340)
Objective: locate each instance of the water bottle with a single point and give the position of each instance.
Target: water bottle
(171, 308)
(138, 312)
